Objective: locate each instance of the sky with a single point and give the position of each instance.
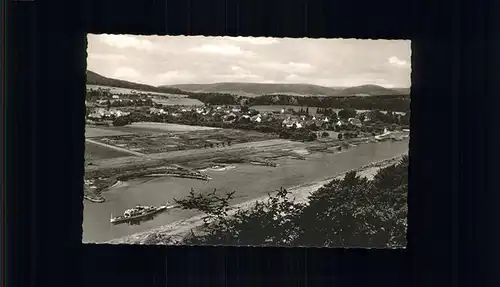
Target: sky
(169, 60)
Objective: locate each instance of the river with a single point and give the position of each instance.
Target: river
(249, 181)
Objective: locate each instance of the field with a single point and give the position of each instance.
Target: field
(154, 142)
(95, 152)
(166, 127)
(177, 100)
(123, 90)
(92, 132)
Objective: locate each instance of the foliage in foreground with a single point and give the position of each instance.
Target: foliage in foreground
(352, 211)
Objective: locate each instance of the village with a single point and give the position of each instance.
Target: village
(108, 109)
(126, 129)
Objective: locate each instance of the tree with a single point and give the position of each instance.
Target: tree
(108, 104)
(333, 115)
(313, 127)
(347, 113)
(405, 119)
(121, 121)
(325, 134)
(339, 136)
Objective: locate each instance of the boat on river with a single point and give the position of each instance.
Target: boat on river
(138, 212)
(264, 163)
(386, 135)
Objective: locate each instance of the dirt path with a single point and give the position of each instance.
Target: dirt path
(115, 148)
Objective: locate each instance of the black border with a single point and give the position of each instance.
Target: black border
(452, 143)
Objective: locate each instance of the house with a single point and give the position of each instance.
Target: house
(354, 121)
(94, 116)
(229, 117)
(119, 113)
(288, 122)
(157, 111)
(115, 97)
(256, 118)
(310, 123)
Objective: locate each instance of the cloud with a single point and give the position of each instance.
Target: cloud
(395, 61)
(295, 78)
(236, 68)
(255, 41)
(238, 74)
(220, 49)
(164, 60)
(126, 41)
(236, 77)
(174, 77)
(107, 57)
(290, 67)
(126, 73)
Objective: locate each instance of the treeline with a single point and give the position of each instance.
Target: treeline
(397, 103)
(214, 98)
(352, 211)
(127, 103)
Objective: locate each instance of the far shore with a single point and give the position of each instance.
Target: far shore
(181, 228)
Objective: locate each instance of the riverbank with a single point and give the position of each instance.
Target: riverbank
(204, 158)
(181, 228)
(94, 187)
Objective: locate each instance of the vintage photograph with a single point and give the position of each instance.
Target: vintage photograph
(243, 141)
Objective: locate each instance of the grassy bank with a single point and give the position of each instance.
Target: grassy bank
(94, 187)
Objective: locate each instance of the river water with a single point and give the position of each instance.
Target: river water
(249, 181)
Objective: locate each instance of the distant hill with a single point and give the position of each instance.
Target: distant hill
(249, 89)
(404, 91)
(96, 79)
(258, 89)
(368, 90)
